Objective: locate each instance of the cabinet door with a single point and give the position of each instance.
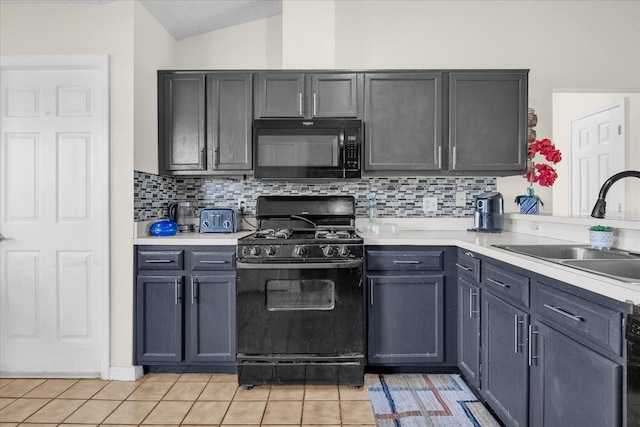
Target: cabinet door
(281, 95)
(158, 318)
(212, 325)
(402, 121)
(571, 385)
(406, 315)
(504, 360)
(334, 95)
(469, 331)
(229, 104)
(181, 116)
(488, 122)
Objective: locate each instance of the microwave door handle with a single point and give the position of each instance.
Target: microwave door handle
(342, 155)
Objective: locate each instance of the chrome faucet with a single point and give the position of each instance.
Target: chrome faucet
(601, 206)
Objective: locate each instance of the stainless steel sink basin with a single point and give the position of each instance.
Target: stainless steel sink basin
(563, 252)
(627, 270)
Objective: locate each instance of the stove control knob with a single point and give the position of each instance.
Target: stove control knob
(255, 251)
(299, 250)
(344, 251)
(328, 251)
(271, 251)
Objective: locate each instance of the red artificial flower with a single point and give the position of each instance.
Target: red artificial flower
(543, 174)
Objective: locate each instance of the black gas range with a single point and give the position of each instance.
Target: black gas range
(300, 299)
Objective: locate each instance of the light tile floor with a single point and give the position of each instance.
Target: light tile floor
(178, 399)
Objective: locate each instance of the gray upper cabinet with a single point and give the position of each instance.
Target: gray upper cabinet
(204, 123)
(181, 123)
(229, 102)
(307, 95)
(488, 122)
(402, 122)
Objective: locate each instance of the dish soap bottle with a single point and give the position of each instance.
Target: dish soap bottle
(373, 208)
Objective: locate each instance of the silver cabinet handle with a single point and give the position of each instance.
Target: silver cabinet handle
(469, 254)
(516, 336)
(202, 158)
(496, 282)
(439, 156)
(213, 261)
(370, 291)
(563, 313)
(464, 267)
(194, 290)
(177, 291)
(531, 346)
(157, 261)
(454, 157)
(406, 262)
(472, 304)
(315, 103)
(300, 103)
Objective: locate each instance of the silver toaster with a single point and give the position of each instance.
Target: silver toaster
(219, 220)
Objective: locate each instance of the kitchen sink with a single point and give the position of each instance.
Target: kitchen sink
(627, 270)
(571, 252)
(615, 263)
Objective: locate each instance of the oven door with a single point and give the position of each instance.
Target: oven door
(300, 309)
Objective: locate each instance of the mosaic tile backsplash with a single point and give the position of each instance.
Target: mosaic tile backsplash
(398, 197)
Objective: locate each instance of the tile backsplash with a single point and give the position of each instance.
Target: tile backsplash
(398, 197)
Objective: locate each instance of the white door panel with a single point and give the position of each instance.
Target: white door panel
(597, 152)
(53, 214)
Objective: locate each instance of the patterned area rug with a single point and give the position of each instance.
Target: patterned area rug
(425, 400)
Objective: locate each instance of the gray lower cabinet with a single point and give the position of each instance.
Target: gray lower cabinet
(572, 385)
(159, 308)
(184, 306)
(204, 123)
(403, 122)
(407, 301)
(406, 319)
(302, 95)
(469, 331)
(505, 376)
(488, 121)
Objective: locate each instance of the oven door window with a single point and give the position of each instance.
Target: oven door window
(300, 295)
(298, 151)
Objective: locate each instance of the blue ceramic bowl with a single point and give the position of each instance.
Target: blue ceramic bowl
(164, 227)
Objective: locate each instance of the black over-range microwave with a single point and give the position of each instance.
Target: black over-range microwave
(307, 149)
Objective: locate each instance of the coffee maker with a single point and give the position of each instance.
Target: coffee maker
(183, 214)
(489, 213)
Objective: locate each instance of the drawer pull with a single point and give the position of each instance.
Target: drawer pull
(472, 299)
(406, 262)
(464, 267)
(496, 282)
(563, 313)
(213, 261)
(158, 261)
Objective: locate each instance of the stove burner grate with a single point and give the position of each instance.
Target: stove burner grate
(270, 233)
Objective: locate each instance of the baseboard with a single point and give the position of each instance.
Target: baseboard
(125, 373)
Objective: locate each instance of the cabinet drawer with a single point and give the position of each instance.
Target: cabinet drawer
(599, 324)
(160, 260)
(212, 260)
(468, 265)
(512, 286)
(405, 260)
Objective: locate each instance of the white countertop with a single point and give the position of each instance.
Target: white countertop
(477, 242)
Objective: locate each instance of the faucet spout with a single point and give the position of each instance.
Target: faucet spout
(600, 207)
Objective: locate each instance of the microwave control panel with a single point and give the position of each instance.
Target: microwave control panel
(352, 151)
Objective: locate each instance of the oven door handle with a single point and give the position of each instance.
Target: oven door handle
(298, 265)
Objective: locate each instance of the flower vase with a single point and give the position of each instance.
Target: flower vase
(529, 203)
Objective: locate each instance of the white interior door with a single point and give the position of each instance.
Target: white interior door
(597, 152)
(54, 217)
